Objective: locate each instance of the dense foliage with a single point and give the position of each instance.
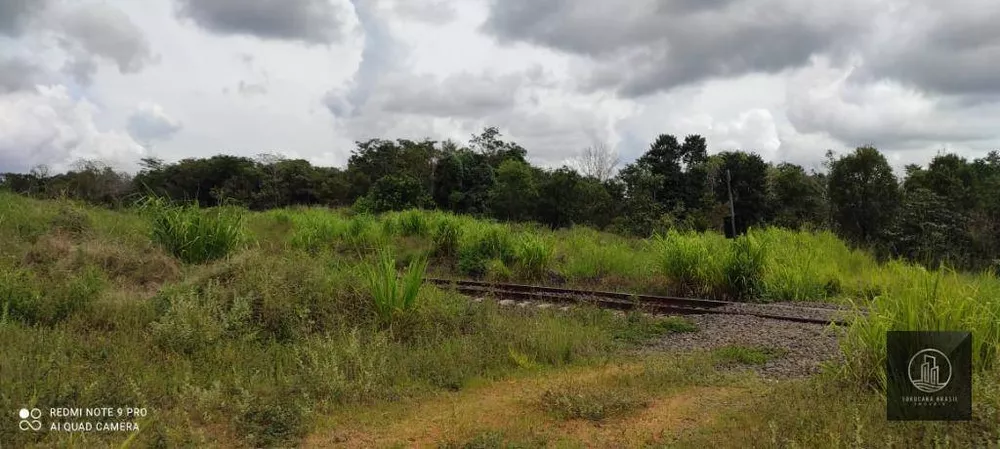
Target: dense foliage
(948, 212)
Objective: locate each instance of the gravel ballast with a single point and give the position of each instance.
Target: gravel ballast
(807, 345)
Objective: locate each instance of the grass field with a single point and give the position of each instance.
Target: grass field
(239, 329)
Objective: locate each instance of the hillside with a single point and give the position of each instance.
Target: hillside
(231, 328)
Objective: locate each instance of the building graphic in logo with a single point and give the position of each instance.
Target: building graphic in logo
(930, 370)
(928, 375)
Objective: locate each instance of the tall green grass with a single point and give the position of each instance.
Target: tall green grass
(693, 263)
(192, 234)
(391, 295)
(745, 268)
(913, 298)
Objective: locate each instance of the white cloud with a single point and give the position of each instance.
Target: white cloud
(52, 128)
(150, 122)
(428, 68)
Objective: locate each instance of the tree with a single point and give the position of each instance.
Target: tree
(864, 194)
(681, 168)
(489, 144)
(560, 198)
(597, 161)
(749, 185)
(640, 210)
(462, 181)
(928, 230)
(796, 198)
(377, 158)
(394, 192)
(514, 195)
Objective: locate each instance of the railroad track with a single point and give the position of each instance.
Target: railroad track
(656, 304)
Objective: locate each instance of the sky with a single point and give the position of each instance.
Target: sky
(119, 80)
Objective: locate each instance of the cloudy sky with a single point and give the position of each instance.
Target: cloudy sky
(118, 80)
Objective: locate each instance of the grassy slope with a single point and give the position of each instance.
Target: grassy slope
(249, 350)
(242, 351)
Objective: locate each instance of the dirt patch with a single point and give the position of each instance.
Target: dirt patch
(510, 406)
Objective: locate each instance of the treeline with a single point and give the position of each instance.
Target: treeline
(947, 212)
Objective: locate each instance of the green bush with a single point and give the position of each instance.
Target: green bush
(314, 231)
(194, 235)
(22, 299)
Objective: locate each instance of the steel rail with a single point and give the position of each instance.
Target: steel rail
(627, 301)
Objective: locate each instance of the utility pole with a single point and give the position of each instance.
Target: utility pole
(732, 208)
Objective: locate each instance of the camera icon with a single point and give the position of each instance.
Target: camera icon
(30, 424)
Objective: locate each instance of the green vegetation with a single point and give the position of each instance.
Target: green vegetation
(393, 296)
(194, 235)
(572, 402)
(166, 307)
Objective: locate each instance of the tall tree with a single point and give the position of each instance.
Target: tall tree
(515, 194)
(749, 185)
(796, 198)
(864, 194)
(598, 161)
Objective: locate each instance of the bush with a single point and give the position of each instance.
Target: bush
(22, 300)
(745, 268)
(313, 231)
(194, 235)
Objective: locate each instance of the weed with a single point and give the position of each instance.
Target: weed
(447, 236)
(413, 224)
(745, 268)
(596, 403)
(393, 296)
(194, 235)
(533, 257)
(639, 328)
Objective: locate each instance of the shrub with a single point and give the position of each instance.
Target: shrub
(393, 296)
(194, 235)
(272, 421)
(745, 268)
(498, 271)
(22, 300)
(472, 263)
